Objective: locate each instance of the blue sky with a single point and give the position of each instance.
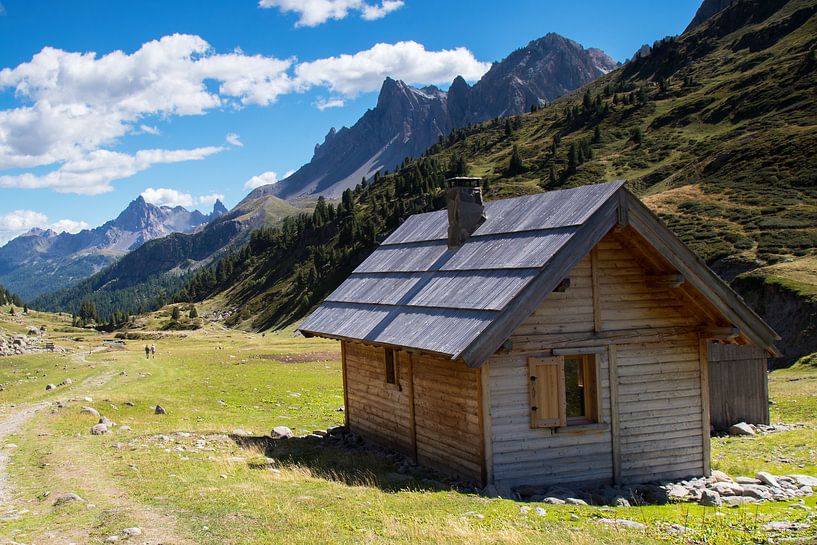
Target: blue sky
(81, 135)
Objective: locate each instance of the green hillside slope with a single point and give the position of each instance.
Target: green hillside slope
(716, 130)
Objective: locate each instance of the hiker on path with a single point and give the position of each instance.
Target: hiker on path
(147, 352)
(153, 350)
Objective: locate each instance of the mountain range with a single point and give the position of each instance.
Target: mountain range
(407, 120)
(42, 260)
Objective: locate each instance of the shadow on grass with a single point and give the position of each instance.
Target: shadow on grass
(354, 463)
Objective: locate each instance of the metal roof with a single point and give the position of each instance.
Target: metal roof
(413, 291)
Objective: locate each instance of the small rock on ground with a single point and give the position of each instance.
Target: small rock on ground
(623, 523)
(741, 428)
(66, 498)
(99, 429)
(159, 410)
(281, 432)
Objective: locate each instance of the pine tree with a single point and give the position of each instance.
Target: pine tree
(637, 135)
(572, 158)
(516, 165)
(587, 101)
(597, 135)
(175, 314)
(508, 128)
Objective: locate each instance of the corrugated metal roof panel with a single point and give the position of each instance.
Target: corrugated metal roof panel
(419, 227)
(512, 251)
(568, 207)
(480, 290)
(405, 257)
(437, 330)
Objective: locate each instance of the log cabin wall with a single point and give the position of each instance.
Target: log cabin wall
(447, 416)
(432, 414)
(376, 410)
(649, 372)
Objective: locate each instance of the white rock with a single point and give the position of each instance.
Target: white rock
(805, 480)
(525, 509)
(133, 531)
(99, 429)
(720, 477)
(742, 428)
(281, 432)
(539, 511)
(89, 410)
(767, 478)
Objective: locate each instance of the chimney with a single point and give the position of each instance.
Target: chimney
(465, 209)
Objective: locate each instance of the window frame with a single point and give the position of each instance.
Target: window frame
(554, 366)
(390, 361)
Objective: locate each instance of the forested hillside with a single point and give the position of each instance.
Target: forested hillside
(716, 130)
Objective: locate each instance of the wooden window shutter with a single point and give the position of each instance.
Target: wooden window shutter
(547, 392)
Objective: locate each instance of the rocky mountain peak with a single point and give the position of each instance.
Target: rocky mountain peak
(407, 120)
(218, 209)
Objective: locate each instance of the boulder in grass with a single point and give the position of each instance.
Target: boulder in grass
(720, 477)
(49, 387)
(805, 480)
(768, 479)
(159, 410)
(623, 523)
(66, 498)
(99, 429)
(710, 498)
(89, 410)
(281, 432)
(741, 428)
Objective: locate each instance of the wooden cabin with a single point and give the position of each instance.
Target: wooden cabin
(554, 338)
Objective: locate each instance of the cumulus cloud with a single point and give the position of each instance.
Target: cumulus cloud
(74, 107)
(69, 226)
(233, 139)
(93, 173)
(164, 196)
(17, 222)
(315, 12)
(266, 178)
(407, 61)
(324, 103)
(210, 200)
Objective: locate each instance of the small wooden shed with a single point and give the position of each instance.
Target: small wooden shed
(554, 338)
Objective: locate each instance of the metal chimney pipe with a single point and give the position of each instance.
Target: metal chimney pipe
(466, 211)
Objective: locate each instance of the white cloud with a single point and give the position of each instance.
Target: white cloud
(93, 173)
(407, 61)
(324, 103)
(378, 11)
(69, 226)
(81, 102)
(164, 196)
(74, 107)
(315, 12)
(210, 200)
(266, 178)
(17, 222)
(233, 139)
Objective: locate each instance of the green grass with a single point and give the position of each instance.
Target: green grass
(214, 381)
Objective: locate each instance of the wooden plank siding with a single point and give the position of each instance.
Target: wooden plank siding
(378, 411)
(738, 385)
(658, 401)
(431, 414)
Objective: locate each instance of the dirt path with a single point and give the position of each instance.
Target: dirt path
(10, 423)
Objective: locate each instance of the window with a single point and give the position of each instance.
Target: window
(391, 367)
(563, 391)
(581, 392)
